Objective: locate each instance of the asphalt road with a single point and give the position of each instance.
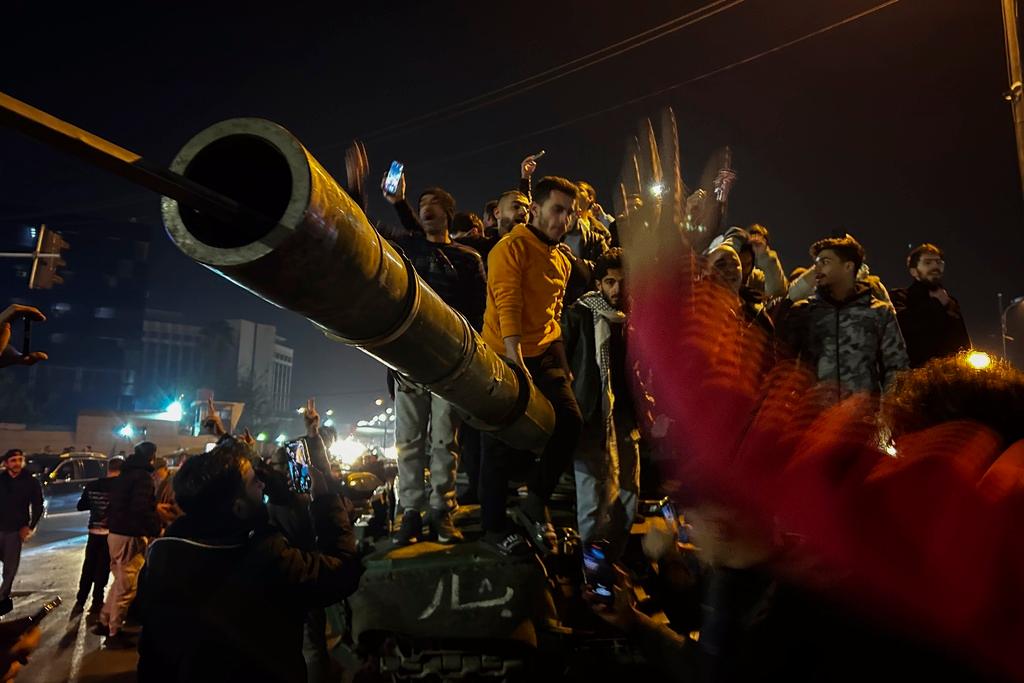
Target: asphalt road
(50, 565)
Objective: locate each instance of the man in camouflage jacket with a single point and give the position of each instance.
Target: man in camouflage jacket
(846, 334)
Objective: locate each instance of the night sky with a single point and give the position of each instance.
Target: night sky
(892, 127)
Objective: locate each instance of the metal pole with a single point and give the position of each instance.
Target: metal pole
(1002, 323)
(1015, 95)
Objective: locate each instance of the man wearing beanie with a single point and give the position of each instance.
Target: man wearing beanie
(426, 427)
(20, 493)
(133, 523)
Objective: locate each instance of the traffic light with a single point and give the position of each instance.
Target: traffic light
(46, 260)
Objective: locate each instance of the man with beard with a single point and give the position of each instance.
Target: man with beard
(224, 592)
(526, 279)
(607, 462)
(929, 316)
(21, 507)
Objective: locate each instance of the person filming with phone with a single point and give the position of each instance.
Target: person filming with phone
(426, 428)
(224, 592)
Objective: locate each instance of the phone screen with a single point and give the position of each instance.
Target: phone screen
(598, 572)
(26, 344)
(298, 467)
(394, 175)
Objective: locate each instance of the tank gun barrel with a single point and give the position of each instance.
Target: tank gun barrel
(318, 255)
(247, 200)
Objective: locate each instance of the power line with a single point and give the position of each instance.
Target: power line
(553, 73)
(662, 91)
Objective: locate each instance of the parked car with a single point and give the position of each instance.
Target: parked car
(64, 476)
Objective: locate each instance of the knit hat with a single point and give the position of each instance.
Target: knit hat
(447, 201)
(11, 453)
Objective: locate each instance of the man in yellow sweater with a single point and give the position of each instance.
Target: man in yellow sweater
(527, 274)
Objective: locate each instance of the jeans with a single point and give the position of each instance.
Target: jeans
(10, 555)
(497, 459)
(426, 427)
(95, 569)
(607, 486)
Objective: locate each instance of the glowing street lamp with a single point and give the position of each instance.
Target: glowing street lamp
(261, 437)
(126, 432)
(174, 412)
(379, 402)
(281, 438)
(979, 360)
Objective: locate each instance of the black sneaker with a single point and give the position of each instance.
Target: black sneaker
(444, 527)
(6, 606)
(541, 533)
(508, 543)
(411, 529)
(96, 607)
(78, 608)
(100, 630)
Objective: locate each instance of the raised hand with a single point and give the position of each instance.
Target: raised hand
(312, 418)
(213, 424)
(8, 356)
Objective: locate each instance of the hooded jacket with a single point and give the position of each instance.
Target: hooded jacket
(228, 604)
(132, 510)
(855, 344)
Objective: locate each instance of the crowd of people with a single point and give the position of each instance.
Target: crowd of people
(228, 568)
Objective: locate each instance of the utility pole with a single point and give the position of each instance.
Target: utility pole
(1015, 95)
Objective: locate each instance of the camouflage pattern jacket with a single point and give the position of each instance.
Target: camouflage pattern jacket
(855, 343)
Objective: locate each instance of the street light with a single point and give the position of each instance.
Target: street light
(174, 411)
(979, 360)
(379, 402)
(126, 431)
(1002, 319)
(330, 412)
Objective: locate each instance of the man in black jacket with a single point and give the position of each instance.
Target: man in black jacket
(929, 316)
(607, 463)
(96, 567)
(224, 593)
(426, 427)
(133, 523)
(20, 494)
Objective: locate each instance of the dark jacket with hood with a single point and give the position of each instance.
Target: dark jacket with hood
(453, 270)
(132, 510)
(930, 329)
(227, 604)
(855, 344)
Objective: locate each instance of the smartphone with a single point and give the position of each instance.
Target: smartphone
(26, 343)
(298, 466)
(393, 177)
(43, 612)
(598, 572)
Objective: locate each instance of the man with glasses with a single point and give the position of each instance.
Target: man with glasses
(929, 316)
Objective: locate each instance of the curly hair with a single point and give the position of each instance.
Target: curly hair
(953, 388)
